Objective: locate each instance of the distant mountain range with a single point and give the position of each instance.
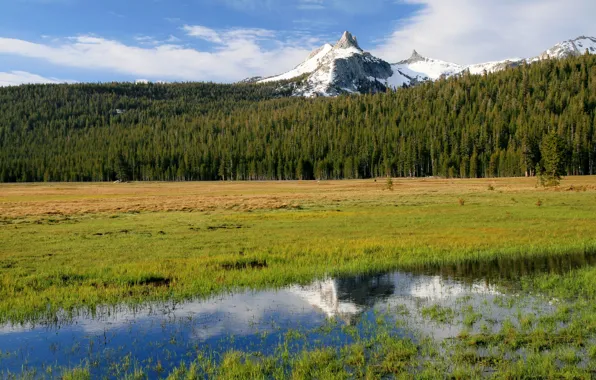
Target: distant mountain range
(345, 68)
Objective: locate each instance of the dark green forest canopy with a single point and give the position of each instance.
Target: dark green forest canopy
(471, 126)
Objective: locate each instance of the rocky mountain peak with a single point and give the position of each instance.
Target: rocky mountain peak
(416, 56)
(570, 48)
(585, 38)
(347, 41)
(584, 43)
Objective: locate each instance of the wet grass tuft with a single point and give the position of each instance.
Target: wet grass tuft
(244, 264)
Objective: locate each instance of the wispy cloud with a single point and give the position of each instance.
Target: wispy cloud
(343, 6)
(116, 14)
(228, 36)
(251, 5)
(312, 4)
(203, 32)
(15, 78)
(146, 40)
(239, 53)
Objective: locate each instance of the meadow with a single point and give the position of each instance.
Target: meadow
(72, 247)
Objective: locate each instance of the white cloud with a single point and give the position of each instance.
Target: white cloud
(228, 36)
(146, 40)
(473, 31)
(238, 314)
(203, 32)
(15, 78)
(239, 53)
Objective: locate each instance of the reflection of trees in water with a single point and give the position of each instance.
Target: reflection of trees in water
(365, 291)
(508, 268)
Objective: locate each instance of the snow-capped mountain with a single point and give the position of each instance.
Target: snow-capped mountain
(345, 68)
(417, 69)
(571, 48)
(342, 68)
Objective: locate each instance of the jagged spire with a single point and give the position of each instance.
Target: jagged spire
(347, 41)
(415, 56)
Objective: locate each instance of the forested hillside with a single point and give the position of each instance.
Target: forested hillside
(472, 126)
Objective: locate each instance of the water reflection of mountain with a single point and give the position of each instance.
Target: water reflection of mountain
(347, 298)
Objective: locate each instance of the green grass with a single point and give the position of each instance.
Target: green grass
(439, 314)
(49, 263)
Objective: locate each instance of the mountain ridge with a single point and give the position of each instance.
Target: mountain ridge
(346, 68)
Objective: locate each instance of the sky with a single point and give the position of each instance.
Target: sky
(46, 41)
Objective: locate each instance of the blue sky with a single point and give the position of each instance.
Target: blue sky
(227, 40)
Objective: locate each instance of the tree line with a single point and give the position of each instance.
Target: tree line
(470, 126)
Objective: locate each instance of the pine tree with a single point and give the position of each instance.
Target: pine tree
(554, 157)
(123, 171)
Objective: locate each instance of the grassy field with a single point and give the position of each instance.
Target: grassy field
(76, 246)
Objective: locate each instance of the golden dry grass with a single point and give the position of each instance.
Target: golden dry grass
(21, 200)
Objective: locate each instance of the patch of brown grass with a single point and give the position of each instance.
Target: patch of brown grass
(20, 200)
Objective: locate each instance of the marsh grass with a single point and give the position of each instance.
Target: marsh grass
(551, 344)
(68, 248)
(439, 314)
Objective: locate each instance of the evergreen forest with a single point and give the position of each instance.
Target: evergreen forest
(472, 126)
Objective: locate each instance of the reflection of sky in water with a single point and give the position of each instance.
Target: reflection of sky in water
(148, 334)
(252, 321)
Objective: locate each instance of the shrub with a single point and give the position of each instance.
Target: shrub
(389, 184)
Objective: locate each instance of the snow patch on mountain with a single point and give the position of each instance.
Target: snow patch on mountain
(311, 64)
(493, 67)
